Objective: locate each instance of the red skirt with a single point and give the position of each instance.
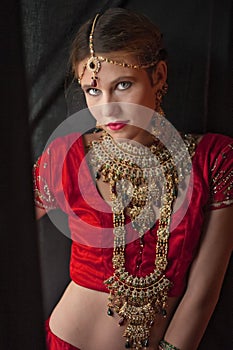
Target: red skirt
(55, 343)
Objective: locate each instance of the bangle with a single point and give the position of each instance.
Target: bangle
(164, 345)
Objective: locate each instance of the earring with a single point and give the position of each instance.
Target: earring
(157, 125)
(159, 97)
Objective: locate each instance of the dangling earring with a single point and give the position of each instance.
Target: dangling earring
(159, 97)
(157, 125)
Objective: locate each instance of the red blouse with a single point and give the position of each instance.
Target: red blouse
(62, 179)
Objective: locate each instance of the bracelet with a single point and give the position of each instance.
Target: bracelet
(164, 345)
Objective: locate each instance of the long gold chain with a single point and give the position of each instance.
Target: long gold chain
(138, 177)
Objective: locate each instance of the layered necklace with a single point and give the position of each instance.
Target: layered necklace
(140, 178)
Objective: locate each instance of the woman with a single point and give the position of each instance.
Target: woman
(151, 240)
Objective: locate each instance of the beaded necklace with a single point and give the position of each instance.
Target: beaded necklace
(138, 177)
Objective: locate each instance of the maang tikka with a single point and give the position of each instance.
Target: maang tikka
(93, 64)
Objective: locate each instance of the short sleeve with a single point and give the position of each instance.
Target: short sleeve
(221, 179)
(53, 171)
(42, 182)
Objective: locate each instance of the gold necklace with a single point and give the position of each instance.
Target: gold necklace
(133, 173)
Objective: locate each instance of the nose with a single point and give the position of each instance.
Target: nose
(110, 109)
(107, 112)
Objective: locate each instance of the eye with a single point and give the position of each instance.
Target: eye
(93, 92)
(124, 85)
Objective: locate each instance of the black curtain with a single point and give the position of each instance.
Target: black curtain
(199, 38)
(20, 284)
(198, 35)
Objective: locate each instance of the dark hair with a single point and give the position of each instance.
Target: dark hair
(120, 29)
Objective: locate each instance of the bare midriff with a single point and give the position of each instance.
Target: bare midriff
(80, 318)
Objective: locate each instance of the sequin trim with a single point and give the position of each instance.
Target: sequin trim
(222, 181)
(43, 199)
(219, 204)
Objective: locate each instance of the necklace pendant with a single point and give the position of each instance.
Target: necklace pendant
(97, 175)
(110, 312)
(146, 343)
(127, 344)
(164, 313)
(121, 321)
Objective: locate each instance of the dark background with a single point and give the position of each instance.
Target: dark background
(35, 41)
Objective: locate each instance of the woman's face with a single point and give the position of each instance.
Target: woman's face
(124, 100)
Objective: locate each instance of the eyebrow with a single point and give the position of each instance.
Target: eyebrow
(123, 78)
(114, 82)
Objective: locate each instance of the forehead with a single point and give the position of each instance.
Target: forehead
(110, 73)
(110, 70)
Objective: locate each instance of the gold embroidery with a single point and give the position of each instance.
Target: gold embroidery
(222, 181)
(218, 204)
(44, 198)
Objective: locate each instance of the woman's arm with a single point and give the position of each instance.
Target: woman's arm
(205, 281)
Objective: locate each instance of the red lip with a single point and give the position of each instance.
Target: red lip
(116, 126)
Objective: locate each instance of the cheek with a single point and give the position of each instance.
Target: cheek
(94, 107)
(145, 97)
(96, 112)
(149, 98)
(138, 114)
(89, 100)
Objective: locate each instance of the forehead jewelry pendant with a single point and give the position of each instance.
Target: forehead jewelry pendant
(93, 63)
